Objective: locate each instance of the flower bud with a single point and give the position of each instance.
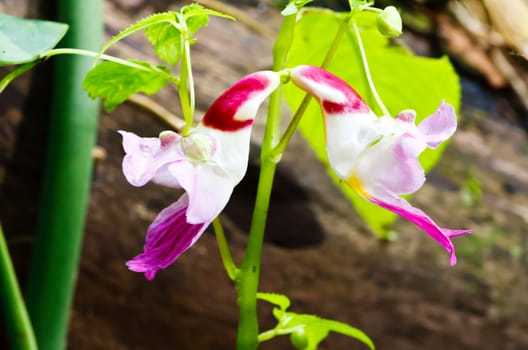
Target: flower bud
(389, 22)
(198, 147)
(299, 339)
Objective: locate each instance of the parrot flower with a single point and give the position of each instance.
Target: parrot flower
(207, 163)
(378, 157)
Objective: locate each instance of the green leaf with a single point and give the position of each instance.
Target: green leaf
(139, 25)
(315, 329)
(114, 82)
(166, 40)
(294, 7)
(24, 40)
(165, 30)
(196, 16)
(306, 331)
(403, 82)
(280, 300)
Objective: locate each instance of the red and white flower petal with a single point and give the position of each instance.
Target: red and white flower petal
(236, 107)
(349, 122)
(335, 95)
(168, 237)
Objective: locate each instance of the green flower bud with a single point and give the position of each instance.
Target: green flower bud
(299, 339)
(198, 147)
(389, 22)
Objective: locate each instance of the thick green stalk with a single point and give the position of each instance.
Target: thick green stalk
(248, 281)
(67, 175)
(16, 319)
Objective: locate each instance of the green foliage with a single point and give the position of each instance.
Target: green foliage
(196, 16)
(114, 82)
(294, 7)
(279, 300)
(166, 41)
(306, 331)
(402, 80)
(24, 40)
(139, 25)
(167, 31)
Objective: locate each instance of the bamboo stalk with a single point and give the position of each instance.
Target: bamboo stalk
(64, 197)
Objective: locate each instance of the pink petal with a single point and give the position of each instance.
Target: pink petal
(335, 95)
(209, 189)
(236, 108)
(168, 237)
(419, 218)
(146, 158)
(392, 164)
(440, 126)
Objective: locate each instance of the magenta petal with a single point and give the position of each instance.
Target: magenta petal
(423, 221)
(168, 237)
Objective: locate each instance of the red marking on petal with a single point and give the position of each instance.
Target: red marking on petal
(354, 102)
(221, 114)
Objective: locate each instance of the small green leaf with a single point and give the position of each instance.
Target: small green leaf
(166, 40)
(24, 40)
(139, 25)
(294, 7)
(402, 80)
(114, 82)
(280, 300)
(196, 16)
(316, 329)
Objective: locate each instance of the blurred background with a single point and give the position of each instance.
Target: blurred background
(403, 294)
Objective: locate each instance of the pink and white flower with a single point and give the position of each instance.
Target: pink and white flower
(207, 163)
(378, 157)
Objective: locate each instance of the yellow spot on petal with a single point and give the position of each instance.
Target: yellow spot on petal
(356, 184)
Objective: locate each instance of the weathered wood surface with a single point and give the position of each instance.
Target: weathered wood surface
(403, 294)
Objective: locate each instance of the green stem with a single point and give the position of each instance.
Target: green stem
(227, 259)
(296, 119)
(67, 178)
(248, 281)
(190, 80)
(366, 68)
(89, 53)
(15, 73)
(16, 318)
(186, 85)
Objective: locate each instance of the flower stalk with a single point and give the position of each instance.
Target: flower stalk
(227, 259)
(248, 281)
(366, 69)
